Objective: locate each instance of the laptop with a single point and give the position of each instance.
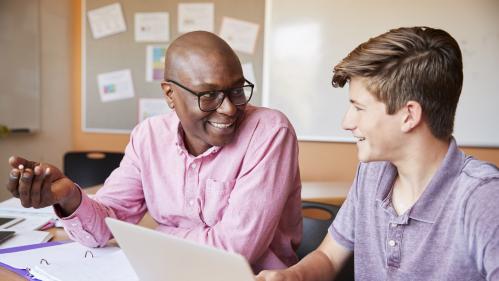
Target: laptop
(157, 256)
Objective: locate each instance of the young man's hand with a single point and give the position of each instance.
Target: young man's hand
(40, 185)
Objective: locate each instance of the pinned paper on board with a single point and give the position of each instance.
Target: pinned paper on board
(196, 16)
(152, 107)
(152, 27)
(155, 63)
(116, 85)
(241, 35)
(249, 73)
(107, 20)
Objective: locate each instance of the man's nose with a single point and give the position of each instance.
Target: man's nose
(227, 107)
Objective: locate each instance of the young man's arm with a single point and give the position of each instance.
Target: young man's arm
(322, 264)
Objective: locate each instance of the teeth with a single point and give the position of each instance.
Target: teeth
(221, 125)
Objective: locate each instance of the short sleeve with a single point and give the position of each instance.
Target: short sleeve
(343, 227)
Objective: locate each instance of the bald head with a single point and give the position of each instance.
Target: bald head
(196, 52)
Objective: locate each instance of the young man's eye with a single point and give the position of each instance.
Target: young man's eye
(358, 108)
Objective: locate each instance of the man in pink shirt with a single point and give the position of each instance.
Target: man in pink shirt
(214, 170)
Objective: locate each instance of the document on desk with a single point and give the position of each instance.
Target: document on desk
(72, 261)
(27, 237)
(33, 218)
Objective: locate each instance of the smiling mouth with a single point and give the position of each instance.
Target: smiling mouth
(221, 125)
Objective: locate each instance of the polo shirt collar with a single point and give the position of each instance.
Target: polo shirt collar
(434, 197)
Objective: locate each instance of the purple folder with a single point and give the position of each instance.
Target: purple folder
(22, 271)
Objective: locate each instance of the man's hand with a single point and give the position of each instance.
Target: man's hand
(40, 185)
(277, 275)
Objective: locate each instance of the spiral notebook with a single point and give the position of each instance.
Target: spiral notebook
(67, 262)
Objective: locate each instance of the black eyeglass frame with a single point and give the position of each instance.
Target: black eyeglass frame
(200, 94)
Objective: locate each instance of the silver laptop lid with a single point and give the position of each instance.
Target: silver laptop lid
(157, 256)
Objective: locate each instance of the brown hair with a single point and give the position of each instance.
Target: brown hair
(421, 64)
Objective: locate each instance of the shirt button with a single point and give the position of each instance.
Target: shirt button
(191, 202)
(392, 243)
(393, 225)
(193, 165)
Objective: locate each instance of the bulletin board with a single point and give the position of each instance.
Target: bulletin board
(121, 51)
(304, 40)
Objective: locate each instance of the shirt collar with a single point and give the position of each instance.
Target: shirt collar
(181, 144)
(434, 197)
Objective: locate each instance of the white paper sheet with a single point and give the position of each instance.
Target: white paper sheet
(241, 35)
(152, 107)
(196, 16)
(33, 218)
(107, 20)
(152, 27)
(111, 267)
(249, 74)
(26, 238)
(116, 85)
(54, 254)
(155, 63)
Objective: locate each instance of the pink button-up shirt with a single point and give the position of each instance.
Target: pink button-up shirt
(243, 197)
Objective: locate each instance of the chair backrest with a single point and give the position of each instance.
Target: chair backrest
(89, 168)
(314, 228)
(314, 231)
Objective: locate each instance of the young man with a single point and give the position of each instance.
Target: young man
(215, 170)
(419, 209)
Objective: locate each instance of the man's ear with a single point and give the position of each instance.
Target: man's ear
(168, 92)
(412, 116)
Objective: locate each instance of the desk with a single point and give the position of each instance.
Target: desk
(325, 192)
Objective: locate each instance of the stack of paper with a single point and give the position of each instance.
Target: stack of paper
(33, 218)
(26, 238)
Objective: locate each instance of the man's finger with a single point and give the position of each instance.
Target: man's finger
(25, 187)
(13, 183)
(46, 190)
(36, 187)
(15, 161)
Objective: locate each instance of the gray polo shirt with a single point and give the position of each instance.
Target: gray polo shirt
(451, 232)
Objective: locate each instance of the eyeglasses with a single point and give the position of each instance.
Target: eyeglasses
(211, 100)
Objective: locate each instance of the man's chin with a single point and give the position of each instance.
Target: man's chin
(222, 141)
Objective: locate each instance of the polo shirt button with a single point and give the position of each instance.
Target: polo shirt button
(193, 166)
(392, 243)
(191, 202)
(393, 225)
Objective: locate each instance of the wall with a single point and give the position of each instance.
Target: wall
(319, 161)
(54, 137)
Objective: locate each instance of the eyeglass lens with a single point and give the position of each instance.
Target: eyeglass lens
(212, 100)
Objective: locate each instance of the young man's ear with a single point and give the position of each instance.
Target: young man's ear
(167, 90)
(412, 115)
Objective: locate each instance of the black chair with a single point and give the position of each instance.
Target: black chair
(89, 168)
(315, 228)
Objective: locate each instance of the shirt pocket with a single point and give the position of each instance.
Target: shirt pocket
(215, 200)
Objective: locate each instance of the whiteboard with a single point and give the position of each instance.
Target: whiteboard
(304, 40)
